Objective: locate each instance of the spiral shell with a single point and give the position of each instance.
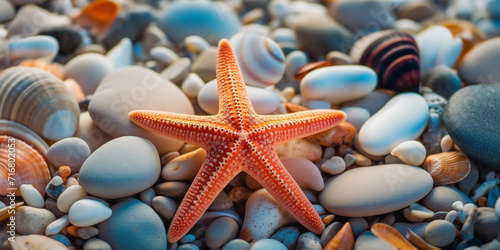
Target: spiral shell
(261, 60)
(447, 167)
(38, 100)
(394, 56)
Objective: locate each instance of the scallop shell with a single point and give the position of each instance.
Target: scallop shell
(30, 167)
(447, 167)
(394, 56)
(38, 100)
(343, 240)
(391, 236)
(261, 60)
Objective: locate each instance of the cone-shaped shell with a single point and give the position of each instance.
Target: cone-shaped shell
(38, 100)
(23, 164)
(343, 240)
(447, 167)
(410, 152)
(394, 56)
(391, 236)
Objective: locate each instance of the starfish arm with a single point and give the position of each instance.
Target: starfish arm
(233, 98)
(219, 168)
(197, 130)
(296, 125)
(265, 166)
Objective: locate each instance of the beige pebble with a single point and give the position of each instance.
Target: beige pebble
(31, 196)
(70, 196)
(417, 213)
(192, 85)
(300, 148)
(304, 172)
(334, 165)
(439, 233)
(31, 220)
(184, 167)
(166, 158)
(196, 44)
(87, 232)
(362, 160)
(36, 242)
(164, 206)
(239, 194)
(96, 244)
(173, 189)
(71, 181)
(410, 152)
(446, 143)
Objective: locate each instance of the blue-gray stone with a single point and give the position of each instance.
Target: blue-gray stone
(288, 236)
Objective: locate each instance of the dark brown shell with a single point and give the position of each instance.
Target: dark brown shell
(394, 56)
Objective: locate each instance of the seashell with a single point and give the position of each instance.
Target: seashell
(343, 240)
(419, 242)
(394, 56)
(304, 70)
(410, 152)
(98, 15)
(261, 60)
(53, 68)
(447, 167)
(30, 166)
(22, 132)
(392, 236)
(38, 100)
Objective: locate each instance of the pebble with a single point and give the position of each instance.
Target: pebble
(7, 11)
(330, 232)
(288, 236)
(31, 220)
(356, 116)
(196, 44)
(120, 230)
(203, 18)
(368, 241)
(164, 206)
(264, 101)
(119, 93)
(304, 172)
(68, 39)
(221, 231)
(263, 216)
(487, 225)
(61, 238)
(96, 244)
(56, 226)
(477, 65)
(147, 196)
(319, 34)
(334, 165)
(363, 17)
(477, 139)
(443, 80)
(439, 233)
(87, 232)
(71, 151)
(192, 85)
(177, 71)
(35, 47)
(112, 170)
(410, 152)
(36, 242)
(300, 148)
(184, 167)
(441, 198)
(372, 102)
(51, 205)
(308, 241)
(86, 212)
(163, 55)
(236, 244)
(375, 190)
(173, 189)
(89, 132)
(466, 185)
(265, 244)
(70, 196)
(401, 119)
(31, 196)
(88, 70)
(204, 64)
(188, 247)
(221, 202)
(359, 225)
(351, 82)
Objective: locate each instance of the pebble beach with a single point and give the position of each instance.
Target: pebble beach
(414, 165)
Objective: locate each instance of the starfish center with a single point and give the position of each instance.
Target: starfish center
(243, 135)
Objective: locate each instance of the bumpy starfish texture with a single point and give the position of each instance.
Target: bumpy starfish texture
(237, 139)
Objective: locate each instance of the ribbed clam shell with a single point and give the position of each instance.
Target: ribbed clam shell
(38, 100)
(22, 132)
(447, 167)
(391, 236)
(30, 166)
(261, 60)
(394, 56)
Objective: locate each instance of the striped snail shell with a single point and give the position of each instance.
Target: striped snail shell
(261, 60)
(394, 56)
(38, 100)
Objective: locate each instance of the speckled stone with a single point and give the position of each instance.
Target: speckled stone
(308, 241)
(440, 198)
(288, 236)
(36, 242)
(479, 139)
(120, 230)
(31, 220)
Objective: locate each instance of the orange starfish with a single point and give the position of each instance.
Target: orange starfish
(237, 139)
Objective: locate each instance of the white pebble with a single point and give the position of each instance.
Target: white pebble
(334, 165)
(446, 143)
(31, 196)
(410, 152)
(192, 85)
(70, 196)
(163, 55)
(196, 44)
(56, 226)
(86, 212)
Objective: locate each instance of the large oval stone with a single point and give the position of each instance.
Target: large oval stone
(480, 64)
(472, 120)
(122, 167)
(133, 225)
(375, 190)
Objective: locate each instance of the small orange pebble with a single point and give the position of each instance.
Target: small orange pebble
(64, 171)
(75, 89)
(98, 15)
(342, 133)
(467, 32)
(328, 219)
(73, 231)
(343, 240)
(362, 160)
(53, 68)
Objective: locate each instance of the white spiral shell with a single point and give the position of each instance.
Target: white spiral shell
(261, 60)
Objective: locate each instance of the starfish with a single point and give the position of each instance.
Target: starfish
(237, 139)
